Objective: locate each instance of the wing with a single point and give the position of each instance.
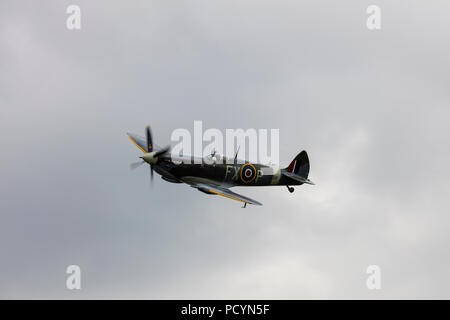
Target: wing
(224, 192)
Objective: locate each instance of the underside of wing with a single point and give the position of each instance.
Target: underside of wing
(224, 192)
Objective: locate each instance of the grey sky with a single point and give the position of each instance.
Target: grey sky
(370, 107)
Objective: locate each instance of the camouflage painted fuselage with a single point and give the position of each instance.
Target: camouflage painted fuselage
(245, 174)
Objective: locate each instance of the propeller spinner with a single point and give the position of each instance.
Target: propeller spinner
(151, 157)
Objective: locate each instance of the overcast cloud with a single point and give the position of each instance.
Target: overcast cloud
(370, 107)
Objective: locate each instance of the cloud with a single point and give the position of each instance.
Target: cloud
(370, 108)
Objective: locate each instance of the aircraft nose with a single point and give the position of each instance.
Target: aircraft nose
(148, 157)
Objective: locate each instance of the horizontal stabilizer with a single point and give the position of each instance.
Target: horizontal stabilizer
(297, 177)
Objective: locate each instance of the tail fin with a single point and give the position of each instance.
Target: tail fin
(300, 165)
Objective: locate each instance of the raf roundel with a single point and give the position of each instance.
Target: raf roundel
(248, 173)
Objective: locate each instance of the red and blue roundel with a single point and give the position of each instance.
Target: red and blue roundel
(248, 173)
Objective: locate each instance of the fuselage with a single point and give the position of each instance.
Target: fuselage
(235, 174)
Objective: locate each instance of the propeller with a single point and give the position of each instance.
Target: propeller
(148, 135)
(151, 157)
(162, 152)
(135, 165)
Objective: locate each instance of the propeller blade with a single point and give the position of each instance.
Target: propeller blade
(134, 165)
(151, 173)
(148, 135)
(161, 152)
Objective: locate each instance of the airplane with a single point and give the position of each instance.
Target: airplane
(217, 176)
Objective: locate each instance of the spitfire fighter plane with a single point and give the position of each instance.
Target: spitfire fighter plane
(218, 176)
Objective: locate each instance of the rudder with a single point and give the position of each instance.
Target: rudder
(300, 165)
